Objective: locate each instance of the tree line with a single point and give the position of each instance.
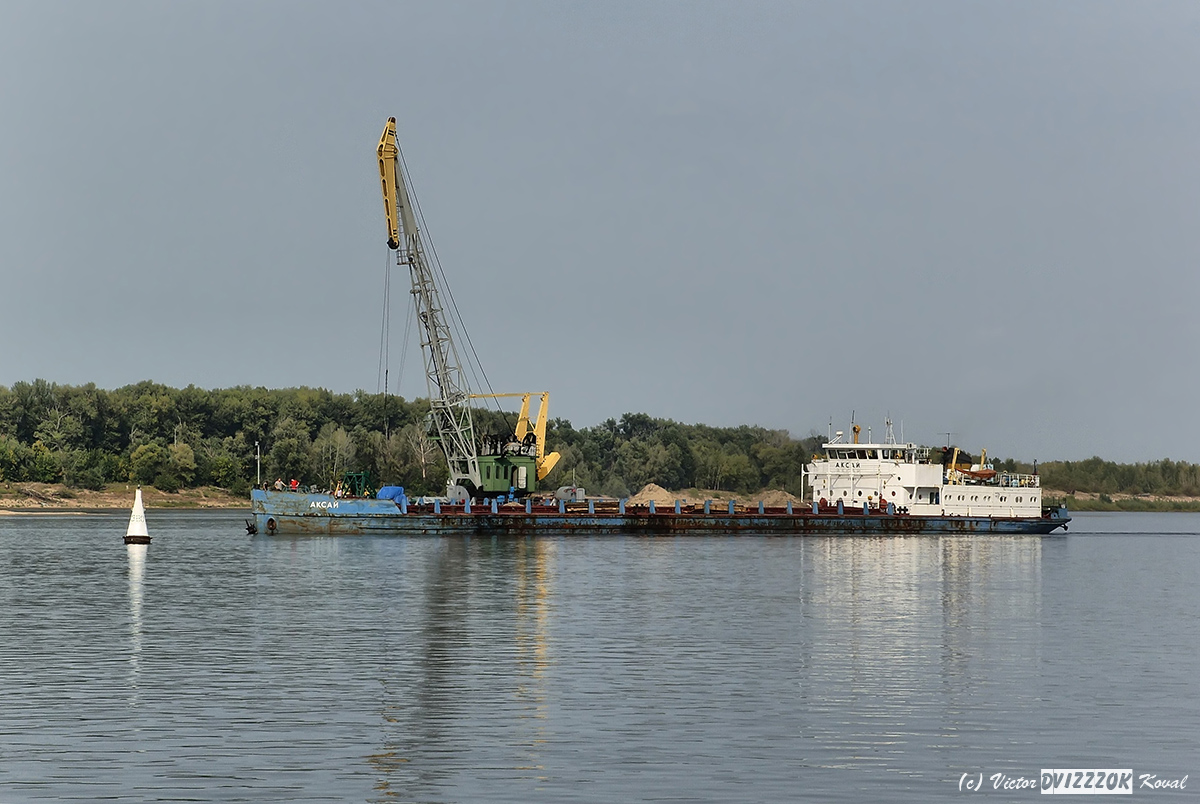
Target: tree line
(84, 436)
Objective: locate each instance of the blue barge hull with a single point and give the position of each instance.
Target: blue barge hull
(288, 513)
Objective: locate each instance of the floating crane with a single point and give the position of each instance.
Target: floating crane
(513, 463)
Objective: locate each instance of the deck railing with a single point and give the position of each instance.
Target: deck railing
(1015, 481)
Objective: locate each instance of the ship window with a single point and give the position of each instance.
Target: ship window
(845, 493)
(893, 494)
(860, 494)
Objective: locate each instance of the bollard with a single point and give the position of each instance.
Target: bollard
(841, 509)
(652, 506)
(816, 508)
(528, 508)
(562, 506)
(731, 507)
(677, 506)
(403, 504)
(708, 506)
(621, 506)
(891, 508)
(494, 505)
(467, 506)
(760, 507)
(591, 506)
(789, 507)
(437, 506)
(866, 509)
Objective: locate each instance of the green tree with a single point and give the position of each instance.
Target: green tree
(44, 467)
(146, 463)
(334, 453)
(180, 469)
(13, 457)
(291, 451)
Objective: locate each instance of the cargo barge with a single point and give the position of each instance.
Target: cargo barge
(296, 513)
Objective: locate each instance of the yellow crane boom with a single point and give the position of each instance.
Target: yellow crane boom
(545, 461)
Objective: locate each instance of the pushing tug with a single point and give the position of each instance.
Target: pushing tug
(493, 480)
(904, 478)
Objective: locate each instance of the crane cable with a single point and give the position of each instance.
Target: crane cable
(385, 333)
(456, 319)
(385, 324)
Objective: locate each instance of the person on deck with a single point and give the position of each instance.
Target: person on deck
(279, 484)
(294, 485)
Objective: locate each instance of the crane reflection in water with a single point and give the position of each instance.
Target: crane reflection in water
(429, 686)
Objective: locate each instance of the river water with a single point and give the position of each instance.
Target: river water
(214, 666)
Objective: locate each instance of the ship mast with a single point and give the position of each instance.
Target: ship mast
(449, 394)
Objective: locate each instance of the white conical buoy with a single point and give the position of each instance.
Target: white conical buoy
(137, 534)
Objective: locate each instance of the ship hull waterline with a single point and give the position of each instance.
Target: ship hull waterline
(287, 513)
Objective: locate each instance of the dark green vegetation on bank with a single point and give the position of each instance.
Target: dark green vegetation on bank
(84, 437)
(1106, 502)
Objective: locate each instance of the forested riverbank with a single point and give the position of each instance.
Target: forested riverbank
(85, 437)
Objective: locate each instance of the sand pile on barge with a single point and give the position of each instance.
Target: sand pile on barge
(652, 491)
(771, 498)
(776, 498)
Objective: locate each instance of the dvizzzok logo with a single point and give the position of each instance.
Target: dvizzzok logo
(1087, 781)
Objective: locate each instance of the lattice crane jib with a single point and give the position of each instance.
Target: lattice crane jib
(449, 393)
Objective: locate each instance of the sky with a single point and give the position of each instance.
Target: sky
(975, 218)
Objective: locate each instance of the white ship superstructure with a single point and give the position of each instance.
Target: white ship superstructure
(903, 476)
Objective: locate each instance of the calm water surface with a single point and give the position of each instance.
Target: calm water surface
(218, 667)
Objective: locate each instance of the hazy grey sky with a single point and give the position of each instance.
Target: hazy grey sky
(979, 217)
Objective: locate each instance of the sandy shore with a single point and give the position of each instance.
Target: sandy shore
(50, 498)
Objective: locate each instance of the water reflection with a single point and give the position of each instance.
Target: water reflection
(137, 569)
(888, 616)
(534, 558)
(478, 653)
(419, 689)
(586, 670)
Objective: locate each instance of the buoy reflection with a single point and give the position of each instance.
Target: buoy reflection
(137, 569)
